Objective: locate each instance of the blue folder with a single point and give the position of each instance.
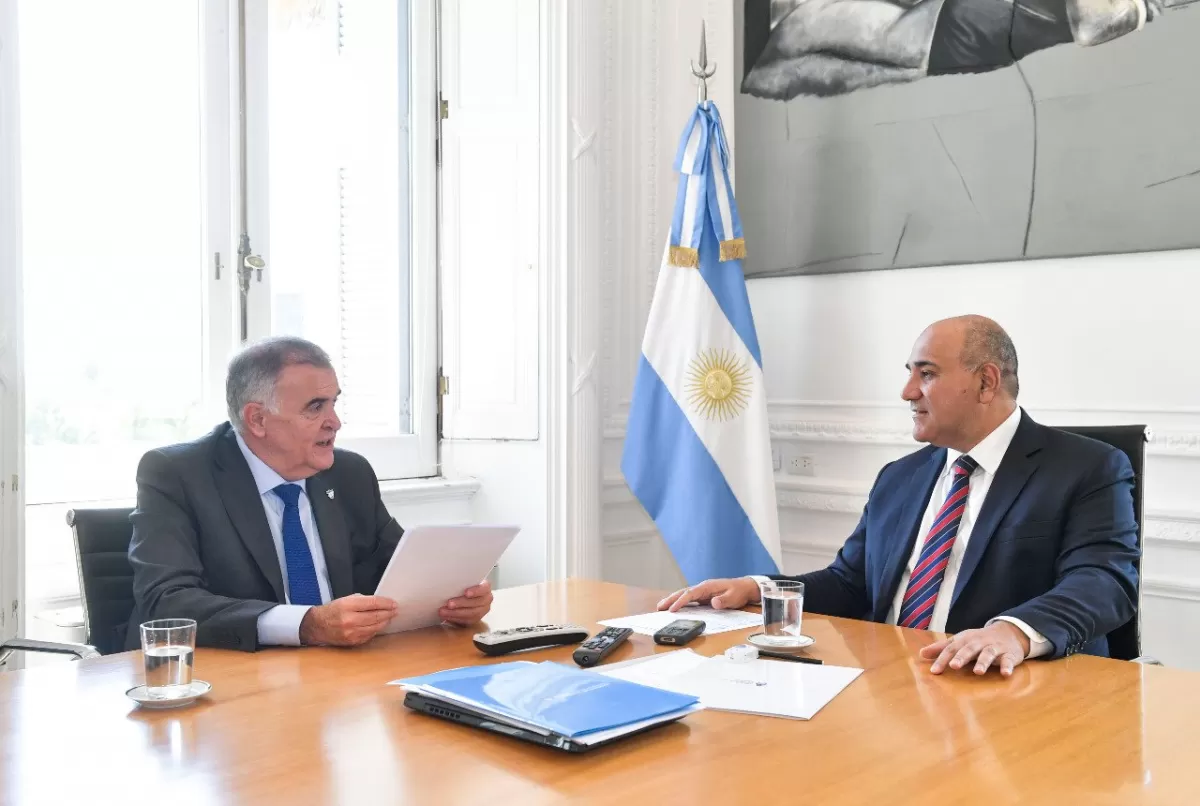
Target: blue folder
(567, 701)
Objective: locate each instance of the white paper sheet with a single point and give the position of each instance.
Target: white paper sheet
(766, 687)
(434, 564)
(715, 621)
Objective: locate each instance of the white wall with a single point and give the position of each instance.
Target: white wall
(1101, 340)
(512, 490)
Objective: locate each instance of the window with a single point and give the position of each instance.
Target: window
(132, 213)
(331, 190)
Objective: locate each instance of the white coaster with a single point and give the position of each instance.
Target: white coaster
(197, 689)
(780, 641)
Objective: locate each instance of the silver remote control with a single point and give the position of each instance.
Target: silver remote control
(499, 642)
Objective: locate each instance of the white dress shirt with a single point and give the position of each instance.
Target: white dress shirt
(280, 625)
(988, 454)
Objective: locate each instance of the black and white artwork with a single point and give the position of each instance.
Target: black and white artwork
(875, 134)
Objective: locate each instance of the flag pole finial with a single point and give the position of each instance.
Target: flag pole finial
(703, 71)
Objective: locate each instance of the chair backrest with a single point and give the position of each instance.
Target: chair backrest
(1125, 642)
(102, 539)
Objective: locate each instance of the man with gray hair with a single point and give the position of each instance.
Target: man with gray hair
(262, 531)
(1017, 538)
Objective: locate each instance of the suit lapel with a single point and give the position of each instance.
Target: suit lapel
(905, 534)
(242, 502)
(335, 537)
(1019, 463)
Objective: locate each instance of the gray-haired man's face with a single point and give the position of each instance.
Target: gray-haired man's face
(297, 439)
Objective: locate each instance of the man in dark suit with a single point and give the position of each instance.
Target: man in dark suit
(1027, 537)
(262, 531)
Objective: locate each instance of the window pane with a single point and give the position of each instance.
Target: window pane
(338, 189)
(112, 229)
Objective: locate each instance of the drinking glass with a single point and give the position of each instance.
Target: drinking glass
(168, 651)
(783, 609)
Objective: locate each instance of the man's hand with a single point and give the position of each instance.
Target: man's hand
(349, 621)
(469, 608)
(1000, 644)
(723, 594)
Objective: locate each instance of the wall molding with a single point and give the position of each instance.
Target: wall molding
(1178, 589)
(1170, 528)
(897, 406)
(631, 537)
(791, 420)
(407, 492)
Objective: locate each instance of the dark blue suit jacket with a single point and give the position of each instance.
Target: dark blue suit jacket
(1054, 544)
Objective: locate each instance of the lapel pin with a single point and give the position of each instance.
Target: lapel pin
(330, 494)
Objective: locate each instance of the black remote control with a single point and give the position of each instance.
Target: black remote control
(598, 647)
(679, 632)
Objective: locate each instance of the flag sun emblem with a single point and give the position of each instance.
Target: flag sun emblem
(718, 384)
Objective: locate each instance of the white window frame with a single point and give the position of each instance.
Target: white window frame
(477, 407)
(405, 456)
(12, 425)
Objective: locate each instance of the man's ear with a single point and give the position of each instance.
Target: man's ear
(989, 382)
(254, 416)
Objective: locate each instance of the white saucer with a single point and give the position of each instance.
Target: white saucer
(764, 641)
(198, 689)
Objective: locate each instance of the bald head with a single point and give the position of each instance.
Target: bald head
(962, 381)
(985, 342)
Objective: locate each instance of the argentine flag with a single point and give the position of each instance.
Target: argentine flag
(697, 447)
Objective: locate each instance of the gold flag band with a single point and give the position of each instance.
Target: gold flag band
(733, 249)
(684, 257)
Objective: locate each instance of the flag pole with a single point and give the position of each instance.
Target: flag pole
(703, 71)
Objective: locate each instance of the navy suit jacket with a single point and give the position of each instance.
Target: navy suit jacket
(1054, 544)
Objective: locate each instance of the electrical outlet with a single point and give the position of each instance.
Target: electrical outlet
(776, 458)
(802, 466)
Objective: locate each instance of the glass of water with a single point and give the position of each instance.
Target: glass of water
(783, 609)
(168, 650)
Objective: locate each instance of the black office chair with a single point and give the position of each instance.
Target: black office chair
(101, 538)
(105, 576)
(1125, 642)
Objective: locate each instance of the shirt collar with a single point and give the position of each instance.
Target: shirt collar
(264, 477)
(989, 453)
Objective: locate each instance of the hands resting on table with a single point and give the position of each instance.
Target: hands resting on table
(356, 619)
(1000, 644)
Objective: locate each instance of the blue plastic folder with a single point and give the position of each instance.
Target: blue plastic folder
(567, 701)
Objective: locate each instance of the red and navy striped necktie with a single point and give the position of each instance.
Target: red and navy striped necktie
(926, 580)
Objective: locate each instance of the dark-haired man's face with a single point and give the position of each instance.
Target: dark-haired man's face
(296, 440)
(944, 395)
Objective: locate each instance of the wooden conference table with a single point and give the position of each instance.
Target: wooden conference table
(300, 726)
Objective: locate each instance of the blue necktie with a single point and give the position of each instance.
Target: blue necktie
(916, 611)
(302, 574)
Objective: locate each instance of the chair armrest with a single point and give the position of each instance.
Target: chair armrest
(1147, 660)
(80, 651)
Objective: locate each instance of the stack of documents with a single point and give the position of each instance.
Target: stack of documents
(547, 703)
(767, 687)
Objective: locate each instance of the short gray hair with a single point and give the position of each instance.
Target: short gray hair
(254, 371)
(987, 343)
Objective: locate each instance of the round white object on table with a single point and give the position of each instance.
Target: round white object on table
(741, 653)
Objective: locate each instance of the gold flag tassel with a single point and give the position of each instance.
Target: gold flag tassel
(685, 257)
(733, 249)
